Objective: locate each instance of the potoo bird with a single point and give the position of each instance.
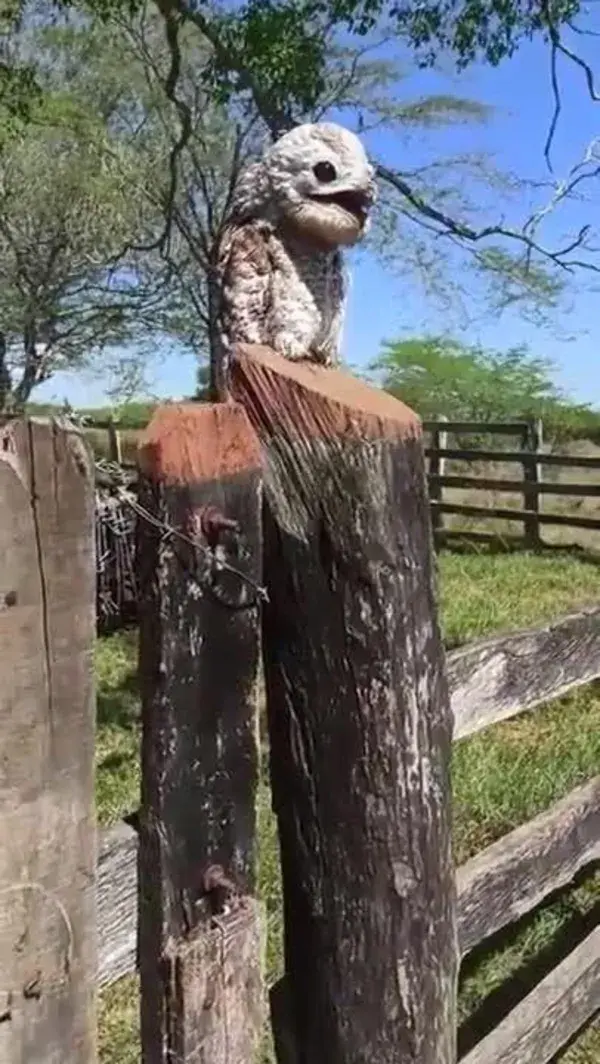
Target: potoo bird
(281, 271)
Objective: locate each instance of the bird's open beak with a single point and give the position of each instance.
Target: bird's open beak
(356, 201)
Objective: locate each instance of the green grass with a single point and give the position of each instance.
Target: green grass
(502, 778)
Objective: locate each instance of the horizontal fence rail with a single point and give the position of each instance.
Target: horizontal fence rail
(532, 487)
(494, 679)
(467, 428)
(543, 487)
(490, 680)
(547, 1018)
(570, 461)
(508, 514)
(495, 887)
(511, 877)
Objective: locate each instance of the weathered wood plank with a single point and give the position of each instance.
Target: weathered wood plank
(47, 722)
(493, 679)
(495, 888)
(219, 967)
(117, 892)
(200, 476)
(532, 442)
(511, 514)
(512, 876)
(490, 680)
(358, 714)
(550, 1015)
(543, 487)
(569, 461)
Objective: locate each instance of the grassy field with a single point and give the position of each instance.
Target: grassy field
(501, 779)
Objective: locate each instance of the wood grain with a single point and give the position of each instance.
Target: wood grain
(358, 715)
(215, 976)
(545, 1020)
(493, 679)
(117, 892)
(48, 846)
(199, 658)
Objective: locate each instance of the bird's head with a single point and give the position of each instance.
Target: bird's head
(322, 182)
(318, 180)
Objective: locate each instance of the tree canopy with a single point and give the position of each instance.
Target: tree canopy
(439, 376)
(124, 125)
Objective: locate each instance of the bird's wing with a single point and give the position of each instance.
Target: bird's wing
(245, 281)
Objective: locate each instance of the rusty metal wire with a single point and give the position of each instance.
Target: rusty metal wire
(117, 512)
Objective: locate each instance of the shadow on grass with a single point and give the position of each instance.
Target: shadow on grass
(463, 541)
(119, 706)
(497, 1004)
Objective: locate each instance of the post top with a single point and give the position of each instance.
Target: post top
(316, 400)
(193, 442)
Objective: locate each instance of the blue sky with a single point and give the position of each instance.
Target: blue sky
(385, 303)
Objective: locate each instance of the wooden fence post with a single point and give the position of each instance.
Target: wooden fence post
(114, 443)
(437, 470)
(531, 444)
(359, 716)
(200, 927)
(47, 724)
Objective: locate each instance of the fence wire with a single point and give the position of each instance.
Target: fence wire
(117, 591)
(117, 513)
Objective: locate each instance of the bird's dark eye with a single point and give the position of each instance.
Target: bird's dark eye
(324, 172)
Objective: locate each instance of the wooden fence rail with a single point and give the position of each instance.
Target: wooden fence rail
(490, 680)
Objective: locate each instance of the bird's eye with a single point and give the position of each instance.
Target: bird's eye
(324, 172)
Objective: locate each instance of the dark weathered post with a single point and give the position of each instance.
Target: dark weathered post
(114, 442)
(359, 715)
(47, 723)
(531, 444)
(199, 571)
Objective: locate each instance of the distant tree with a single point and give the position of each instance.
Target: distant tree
(441, 376)
(67, 207)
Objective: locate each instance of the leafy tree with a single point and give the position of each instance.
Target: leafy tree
(172, 102)
(276, 50)
(191, 182)
(438, 376)
(72, 213)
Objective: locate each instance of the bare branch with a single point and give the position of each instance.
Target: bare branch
(445, 225)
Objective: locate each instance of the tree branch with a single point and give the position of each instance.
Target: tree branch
(445, 225)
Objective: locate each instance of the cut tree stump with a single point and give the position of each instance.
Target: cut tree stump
(200, 926)
(47, 724)
(359, 716)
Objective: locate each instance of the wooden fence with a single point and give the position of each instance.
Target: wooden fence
(531, 486)
(334, 575)
(116, 583)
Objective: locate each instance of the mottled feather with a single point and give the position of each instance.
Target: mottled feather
(281, 271)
